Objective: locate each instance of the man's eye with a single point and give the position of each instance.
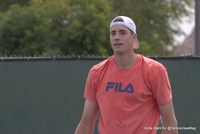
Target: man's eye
(113, 33)
(123, 33)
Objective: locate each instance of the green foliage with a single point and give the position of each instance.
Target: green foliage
(5, 4)
(87, 29)
(23, 31)
(81, 27)
(156, 20)
(56, 12)
(144, 49)
(56, 27)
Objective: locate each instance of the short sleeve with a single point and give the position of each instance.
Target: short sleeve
(161, 87)
(91, 86)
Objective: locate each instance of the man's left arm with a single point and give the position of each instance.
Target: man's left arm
(168, 117)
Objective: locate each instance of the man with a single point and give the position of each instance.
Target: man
(128, 90)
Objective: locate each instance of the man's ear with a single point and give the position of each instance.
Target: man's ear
(135, 43)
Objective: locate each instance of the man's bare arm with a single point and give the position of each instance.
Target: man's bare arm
(168, 117)
(90, 112)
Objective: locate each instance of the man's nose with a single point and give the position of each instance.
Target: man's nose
(116, 36)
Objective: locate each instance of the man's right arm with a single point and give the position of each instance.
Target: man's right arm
(90, 112)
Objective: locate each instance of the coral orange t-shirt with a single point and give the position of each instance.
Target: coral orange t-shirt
(128, 99)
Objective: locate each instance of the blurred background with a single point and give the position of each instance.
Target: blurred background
(77, 27)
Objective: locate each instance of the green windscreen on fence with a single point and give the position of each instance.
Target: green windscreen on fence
(46, 96)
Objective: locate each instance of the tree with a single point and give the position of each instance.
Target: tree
(81, 28)
(87, 28)
(66, 27)
(5, 4)
(24, 31)
(156, 21)
(56, 27)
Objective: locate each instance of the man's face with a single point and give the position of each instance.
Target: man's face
(121, 39)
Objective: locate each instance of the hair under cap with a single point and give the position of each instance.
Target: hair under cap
(129, 23)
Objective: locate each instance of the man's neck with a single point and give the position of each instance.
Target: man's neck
(126, 60)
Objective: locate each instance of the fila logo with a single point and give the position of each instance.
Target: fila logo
(118, 87)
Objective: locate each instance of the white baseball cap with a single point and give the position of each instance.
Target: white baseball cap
(129, 23)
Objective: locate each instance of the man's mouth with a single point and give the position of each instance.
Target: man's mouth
(118, 44)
